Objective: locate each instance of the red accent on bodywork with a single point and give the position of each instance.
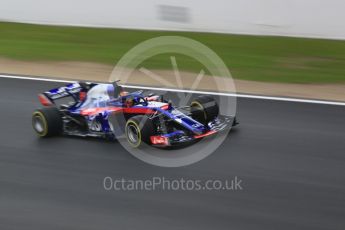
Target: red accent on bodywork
(135, 110)
(138, 110)
(130, 110)
(44, 100)
(159, 140)
(96, 111)
(82, 95)
(205, 134)
(165, 107)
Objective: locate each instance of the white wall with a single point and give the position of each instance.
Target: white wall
(307, 18)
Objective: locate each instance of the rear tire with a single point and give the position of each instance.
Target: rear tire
(47, 122)
(204, 109)
(139, 129)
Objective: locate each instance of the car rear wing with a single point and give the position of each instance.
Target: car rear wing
(77, 91)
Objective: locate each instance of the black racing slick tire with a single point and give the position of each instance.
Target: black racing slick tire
(138, 130)
(204, 109)
(47, 122)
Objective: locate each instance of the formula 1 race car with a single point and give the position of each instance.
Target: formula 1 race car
(107, 111)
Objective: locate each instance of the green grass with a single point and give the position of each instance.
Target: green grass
(259, 58)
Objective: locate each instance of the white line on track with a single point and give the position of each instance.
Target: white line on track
(191, 91)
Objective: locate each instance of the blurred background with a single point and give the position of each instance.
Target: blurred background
(289, 155)
(272, 47)
(303, 18)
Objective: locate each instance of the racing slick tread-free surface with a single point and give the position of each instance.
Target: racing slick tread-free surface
(52, 120)
(145, 127)
(204, 109)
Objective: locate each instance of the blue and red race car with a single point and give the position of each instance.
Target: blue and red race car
(107, 111)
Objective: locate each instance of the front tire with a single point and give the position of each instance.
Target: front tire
(204, 109)
(138, 130)
(47, 122)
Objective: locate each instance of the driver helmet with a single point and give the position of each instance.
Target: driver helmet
(129, 102)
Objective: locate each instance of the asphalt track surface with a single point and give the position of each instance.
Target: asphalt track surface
(290, 157)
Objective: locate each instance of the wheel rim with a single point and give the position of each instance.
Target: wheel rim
(197, 106)
(38, 124)
(133, 134)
